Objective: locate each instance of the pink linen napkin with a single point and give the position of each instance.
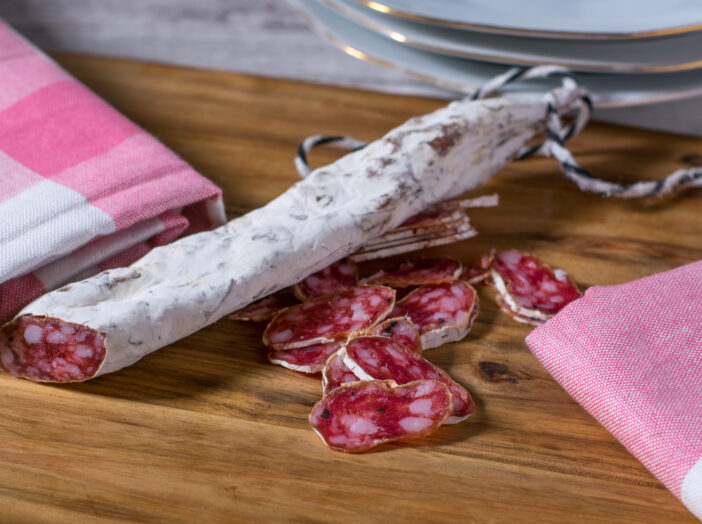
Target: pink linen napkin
(631, 355)
(82, 188)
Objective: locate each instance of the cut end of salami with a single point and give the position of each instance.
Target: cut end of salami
(328, 318)
(46, 349)
(399, 329)
(309, 359)
(359, 416)
(379, 358)
(442, 312)
(339, 276)
(417, 273)
(265, 308)
(528, 289)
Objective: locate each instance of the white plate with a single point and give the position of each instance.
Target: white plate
(462, 75)
(554, 18)
(650, 55)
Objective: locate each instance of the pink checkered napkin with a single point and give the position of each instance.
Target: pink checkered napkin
(631, 355)
(82, 188)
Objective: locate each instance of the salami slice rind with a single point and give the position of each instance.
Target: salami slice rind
(336, 373)
(328, 318)
(359, 416)
(265, 308)
(430, 218)
(417, 273)
(379, 358)
(308, 359)
(479, 271)
(528, 289)
(399, 329)
(442, 312)
(433, 228)
(46, 349)
(339, 276)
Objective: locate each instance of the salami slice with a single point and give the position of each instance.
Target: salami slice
(399, 329)
(265, 308)
(379, 358)
(339, 276)
(308, 359)
(417, 273)
(336, 373)
(45, 349)
(327, 318)
(442, 312)
(359, 416)
(478, 271)
(528, 289)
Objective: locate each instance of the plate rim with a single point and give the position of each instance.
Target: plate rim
(461, 87)
(487, 57)
(488, 28)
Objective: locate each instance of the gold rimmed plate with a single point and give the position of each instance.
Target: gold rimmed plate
(579, 19)
(463, 75)
(653, 55)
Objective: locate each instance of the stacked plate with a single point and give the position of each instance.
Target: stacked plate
(626, 52)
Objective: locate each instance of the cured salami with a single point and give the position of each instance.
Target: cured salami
(330, 317)
(265, 308)
(50, 350)
(442, 312)
(379, 358)
(418, 273)
(336, 373)
(308, 359)
(339, 276)
(359, 416)
(179, 288)
(479, 271)
(399, 329)
(528, 289)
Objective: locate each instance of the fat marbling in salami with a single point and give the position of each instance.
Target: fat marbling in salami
(328, 318)
(308, 359)
(528, 289)
(339, 276)
(442, 312)
(336, 373)
(400, 329)
(361, 415)
(417, 273)
(379, 358)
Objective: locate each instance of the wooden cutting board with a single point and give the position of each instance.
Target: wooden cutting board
(208, 430)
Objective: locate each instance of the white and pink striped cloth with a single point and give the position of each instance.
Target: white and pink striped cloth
(82, 188)
(631, 355)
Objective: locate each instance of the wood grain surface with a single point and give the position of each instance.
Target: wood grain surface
(207, 430)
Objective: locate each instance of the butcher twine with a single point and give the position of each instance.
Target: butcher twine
(556, 135)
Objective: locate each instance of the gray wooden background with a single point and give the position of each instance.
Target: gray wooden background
(250, 36)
